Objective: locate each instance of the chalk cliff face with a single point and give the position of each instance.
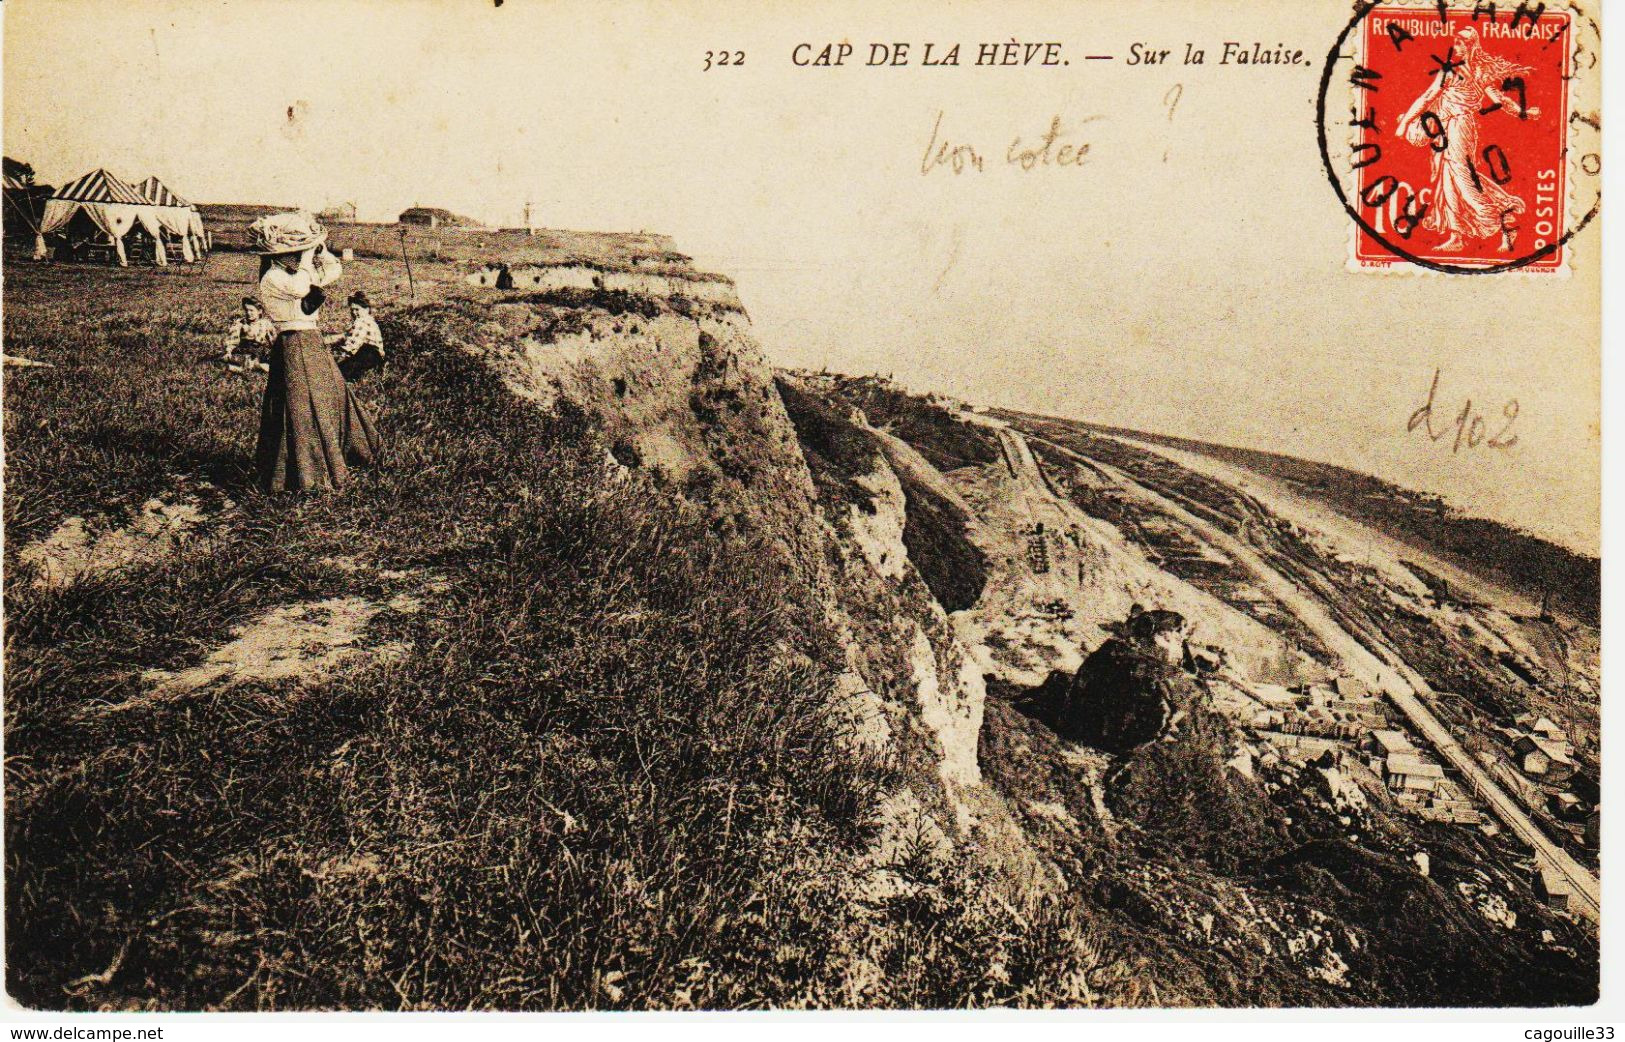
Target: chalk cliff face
(982, 611)
(682, 396)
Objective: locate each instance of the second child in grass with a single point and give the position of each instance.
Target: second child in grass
(362, 348)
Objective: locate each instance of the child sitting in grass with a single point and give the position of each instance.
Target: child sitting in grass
(362, 348)
(246, 342)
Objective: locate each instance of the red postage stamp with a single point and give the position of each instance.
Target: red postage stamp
(1458, 134)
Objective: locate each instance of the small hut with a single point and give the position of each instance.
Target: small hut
(435, 217)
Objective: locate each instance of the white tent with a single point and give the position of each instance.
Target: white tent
(179, 217)
(112, 205)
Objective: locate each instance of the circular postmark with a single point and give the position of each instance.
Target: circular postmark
(1472, 140)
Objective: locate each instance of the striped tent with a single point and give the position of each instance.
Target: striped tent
(157, 193)
(112, 205)
(99, 186)
(179, 217)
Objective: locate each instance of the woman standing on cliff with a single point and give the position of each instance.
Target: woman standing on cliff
(312, 429)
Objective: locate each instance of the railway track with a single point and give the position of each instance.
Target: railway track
(1312, 602)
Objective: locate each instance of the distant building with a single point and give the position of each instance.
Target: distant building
(1554, 735)
(1299, 748)
(1449, 803)
(1532, 759)
(1542, 726)
(343, 213)
(1386, 743)
(1233, 703)
(1351, 688)
(1267, 718)
(1274, 695)
(1362, 711)
(1542, 758)
(1552, 888)
(1567, 806)
(1368, 721)
(1409, 773)
(434, 217)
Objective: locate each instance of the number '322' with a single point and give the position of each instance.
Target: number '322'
(723, 58)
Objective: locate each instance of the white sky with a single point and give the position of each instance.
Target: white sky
(1202, 294)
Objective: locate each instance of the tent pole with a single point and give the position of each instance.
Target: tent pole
(39, 236)
(23, 214)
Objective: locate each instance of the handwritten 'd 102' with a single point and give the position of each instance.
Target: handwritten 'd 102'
(1468, 425)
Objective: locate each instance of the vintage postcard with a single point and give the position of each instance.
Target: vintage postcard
(541, 505)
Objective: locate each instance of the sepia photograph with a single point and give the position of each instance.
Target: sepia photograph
(532, 506)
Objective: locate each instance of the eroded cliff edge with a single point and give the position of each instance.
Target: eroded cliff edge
(942, 558)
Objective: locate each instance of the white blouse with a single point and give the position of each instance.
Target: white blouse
(282, 292)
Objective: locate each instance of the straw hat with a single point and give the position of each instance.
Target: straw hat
(291, 232)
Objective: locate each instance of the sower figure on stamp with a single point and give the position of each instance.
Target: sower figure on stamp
(312, 429)
(1466, 203)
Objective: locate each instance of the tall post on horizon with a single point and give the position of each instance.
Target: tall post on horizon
(411, 284)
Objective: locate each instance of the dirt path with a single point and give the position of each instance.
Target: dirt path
(1042, 503)
(1401, 683)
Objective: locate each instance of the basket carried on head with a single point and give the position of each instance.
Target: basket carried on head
(292, 232)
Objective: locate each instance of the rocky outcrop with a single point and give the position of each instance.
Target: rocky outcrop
(1128, 688)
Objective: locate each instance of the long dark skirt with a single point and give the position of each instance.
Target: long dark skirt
(312, 429)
